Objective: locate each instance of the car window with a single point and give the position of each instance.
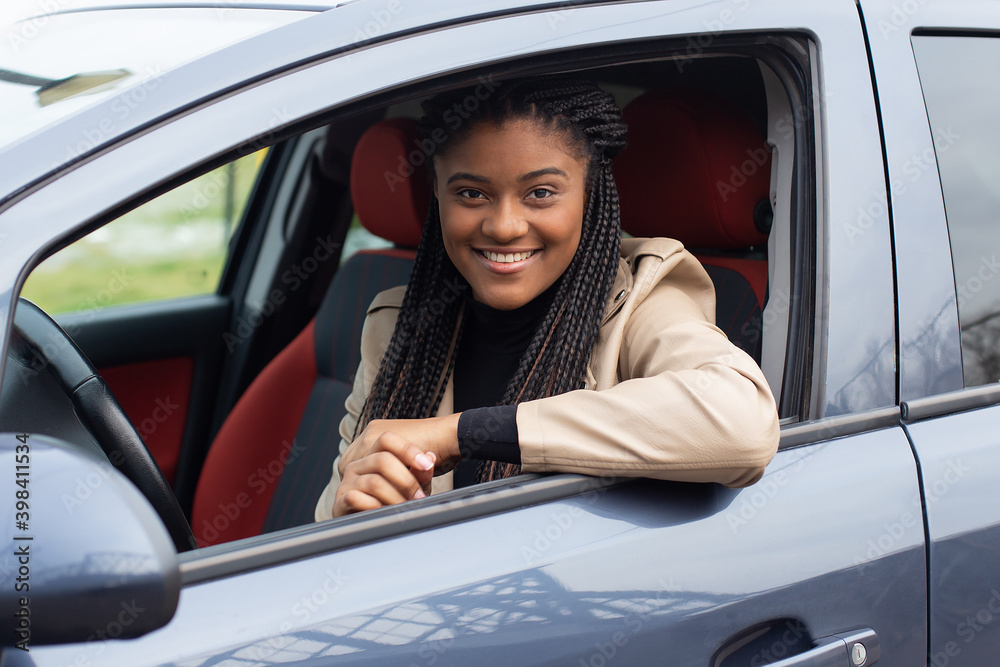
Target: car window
(172, 246)
(962, 95)
(358, 238)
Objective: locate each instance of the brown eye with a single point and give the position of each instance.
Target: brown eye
(540, 193)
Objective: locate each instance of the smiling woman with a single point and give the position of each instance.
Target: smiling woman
(525, 215)
(511, 234)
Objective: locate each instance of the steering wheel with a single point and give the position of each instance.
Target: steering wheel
(38, 343)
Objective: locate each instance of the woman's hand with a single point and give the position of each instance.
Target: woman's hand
(393, 461)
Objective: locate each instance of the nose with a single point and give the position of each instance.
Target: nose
(505, 222)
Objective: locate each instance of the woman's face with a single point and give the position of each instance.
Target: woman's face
(511, 201)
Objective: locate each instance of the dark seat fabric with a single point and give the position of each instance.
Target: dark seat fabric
(697, 169)
(274, 453)
(338, 353)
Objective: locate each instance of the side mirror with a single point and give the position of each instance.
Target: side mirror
(84, 555)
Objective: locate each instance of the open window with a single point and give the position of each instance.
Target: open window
(300, 273)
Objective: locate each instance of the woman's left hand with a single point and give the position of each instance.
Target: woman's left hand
(434, 434)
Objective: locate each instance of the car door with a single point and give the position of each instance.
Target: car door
(163, 359)
(940, 103)
(823, 559)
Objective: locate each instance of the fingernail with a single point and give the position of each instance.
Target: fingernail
(419, 494)
(423, 462)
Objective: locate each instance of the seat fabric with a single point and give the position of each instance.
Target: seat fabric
(695, 169)
(275, 451)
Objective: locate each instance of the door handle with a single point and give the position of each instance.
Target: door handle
(848, 649)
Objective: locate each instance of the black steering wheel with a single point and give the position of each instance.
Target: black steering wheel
(39, 345)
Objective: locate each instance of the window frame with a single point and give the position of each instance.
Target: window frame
(764, 45)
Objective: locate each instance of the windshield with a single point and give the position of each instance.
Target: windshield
(51, 66)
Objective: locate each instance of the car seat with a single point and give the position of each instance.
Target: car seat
(697, 169)
(274, 453)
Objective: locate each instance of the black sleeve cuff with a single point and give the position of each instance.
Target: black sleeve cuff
(489, 434)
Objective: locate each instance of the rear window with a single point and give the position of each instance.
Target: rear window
(961, 87)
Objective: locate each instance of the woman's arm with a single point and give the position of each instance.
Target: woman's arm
(383, 465)
(691, 406)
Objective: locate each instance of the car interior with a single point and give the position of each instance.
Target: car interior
(714, 159)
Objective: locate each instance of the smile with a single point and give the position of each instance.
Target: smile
(501, 258)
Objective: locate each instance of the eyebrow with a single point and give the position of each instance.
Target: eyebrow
(466, 176)
(547, 171)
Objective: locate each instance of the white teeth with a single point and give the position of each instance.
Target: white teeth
(509, 257)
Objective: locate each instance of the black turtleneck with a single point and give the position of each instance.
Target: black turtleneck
(493, 342)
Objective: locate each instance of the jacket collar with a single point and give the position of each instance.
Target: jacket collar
(619, 290)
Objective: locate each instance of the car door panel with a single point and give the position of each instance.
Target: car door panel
(959, 455)
(953, 430)
(162, 361)
(830, 541)
(646, 571)
(156, 397)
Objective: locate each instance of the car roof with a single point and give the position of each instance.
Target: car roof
(69, 6)
(60, 144)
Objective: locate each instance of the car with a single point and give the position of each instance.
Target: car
(833, 166)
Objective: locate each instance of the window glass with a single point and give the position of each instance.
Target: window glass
(359, 238)
(961, 87)
(172, 246)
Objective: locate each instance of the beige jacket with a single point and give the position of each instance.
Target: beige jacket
(674, 398)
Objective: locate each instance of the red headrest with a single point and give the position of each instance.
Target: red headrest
(389, 181)
(694, 170)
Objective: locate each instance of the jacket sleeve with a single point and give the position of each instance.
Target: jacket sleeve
(690, 405)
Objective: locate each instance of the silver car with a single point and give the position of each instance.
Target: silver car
(163, 449)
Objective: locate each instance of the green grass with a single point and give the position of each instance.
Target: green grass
(94, 285)
(172, 246)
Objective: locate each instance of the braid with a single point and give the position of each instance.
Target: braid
(418, 359)
(414, 363)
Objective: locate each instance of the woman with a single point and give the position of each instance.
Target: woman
(568, 349)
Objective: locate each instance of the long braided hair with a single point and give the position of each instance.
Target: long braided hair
(421, 354)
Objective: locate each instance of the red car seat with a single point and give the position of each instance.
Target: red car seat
(697, 169)
(273, 454)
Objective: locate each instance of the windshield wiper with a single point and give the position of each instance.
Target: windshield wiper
(55, 90)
